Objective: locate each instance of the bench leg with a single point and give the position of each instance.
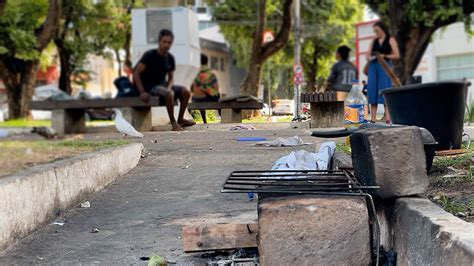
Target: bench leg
(69, 121)
(139, 117)
(327, 114)
(231, 116)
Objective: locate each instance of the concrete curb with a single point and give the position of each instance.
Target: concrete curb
(35, 196)
(425, 234)
(421, 232)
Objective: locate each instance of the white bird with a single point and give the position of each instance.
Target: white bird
(124, 127)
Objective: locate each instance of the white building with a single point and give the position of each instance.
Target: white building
(449, 56)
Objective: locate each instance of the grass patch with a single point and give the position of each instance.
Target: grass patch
(47, 123)
(25, 123)
(19, 155)
(452, 184)
(267, 119)
(211, 116)
(342, 146)
(454, 205)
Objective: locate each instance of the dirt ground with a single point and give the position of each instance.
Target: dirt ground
(27, 151)
(452, 185)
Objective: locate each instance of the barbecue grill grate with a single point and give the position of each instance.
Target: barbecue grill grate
(294, 181)
(320, 182)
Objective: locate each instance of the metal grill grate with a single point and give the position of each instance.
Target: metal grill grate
(294, 181)
(329, 182)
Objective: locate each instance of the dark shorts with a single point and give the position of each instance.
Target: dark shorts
(206, 99)
(163, 91)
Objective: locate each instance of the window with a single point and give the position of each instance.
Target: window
(222, 64)
(455, 66)
(214, 63)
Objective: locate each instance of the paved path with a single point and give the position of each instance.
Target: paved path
(142, 213)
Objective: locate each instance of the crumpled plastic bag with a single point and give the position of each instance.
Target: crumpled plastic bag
(304, 160)
(283, 142)
(50, 92)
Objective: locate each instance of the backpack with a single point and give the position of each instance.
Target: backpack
(124, 87)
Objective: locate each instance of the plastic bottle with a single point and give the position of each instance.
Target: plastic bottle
(356, 111)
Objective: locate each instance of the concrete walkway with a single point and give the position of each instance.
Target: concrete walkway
(143, 212)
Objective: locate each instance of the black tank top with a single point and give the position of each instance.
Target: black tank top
(385, 48)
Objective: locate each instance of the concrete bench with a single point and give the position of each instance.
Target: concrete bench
(230, 110)
(69, 115)
(326, 110)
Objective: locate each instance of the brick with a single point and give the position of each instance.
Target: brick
(314, 230)
(392, 158)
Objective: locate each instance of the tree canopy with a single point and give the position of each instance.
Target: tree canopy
(326, 24)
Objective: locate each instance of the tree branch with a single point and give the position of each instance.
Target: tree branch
(283, 34)
(3, 4)
(49, 27)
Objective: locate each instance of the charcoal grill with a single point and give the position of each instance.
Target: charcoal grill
(340, 182)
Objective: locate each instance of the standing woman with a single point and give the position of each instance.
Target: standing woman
(378, 79)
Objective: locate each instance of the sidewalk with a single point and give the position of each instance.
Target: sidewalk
(143, 212)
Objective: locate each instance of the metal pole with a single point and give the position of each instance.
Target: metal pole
(270, 80)
(297, 36)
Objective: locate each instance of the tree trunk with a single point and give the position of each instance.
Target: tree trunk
(19, 84)
(66, 70)
(127, 49)
(119, 62)
(27, 83)
(313, 71)
(412, 44)
(3, 4)
(252, 79)
(261, 52)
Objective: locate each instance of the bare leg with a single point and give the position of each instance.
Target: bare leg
(203, 115)
(386, 115)
(170, 109)
(184, 99)
(373, 112)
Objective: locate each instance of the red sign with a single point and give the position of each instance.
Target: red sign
(297, 69)
(298, 79)
(267, 36)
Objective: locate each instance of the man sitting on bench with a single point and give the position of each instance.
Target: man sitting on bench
(205, 87)
(153, 75)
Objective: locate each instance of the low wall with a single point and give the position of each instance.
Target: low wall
(35, 196)
(425, 234)
(420, 231)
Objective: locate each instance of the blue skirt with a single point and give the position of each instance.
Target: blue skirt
(378, 80)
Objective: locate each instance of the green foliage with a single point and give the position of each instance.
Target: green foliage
(17, 28)
(428, 13)
(95, 28)
(455, 206)
(211, 116)
(326, 24)
(344, 147)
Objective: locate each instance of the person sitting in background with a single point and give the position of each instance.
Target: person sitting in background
(342, 73)
(154, 74)
(205, 87)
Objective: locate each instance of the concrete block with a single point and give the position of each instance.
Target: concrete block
(231, 116)
(314, 230)
(424, 234)
(35, 196)
(327, 114)
(69, 121)
(341, 160)
(392, 158)
(139, 118)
